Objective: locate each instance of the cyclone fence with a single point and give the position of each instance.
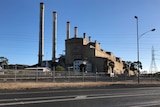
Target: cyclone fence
(70, 76)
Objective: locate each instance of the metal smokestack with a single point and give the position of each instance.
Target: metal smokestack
(84, 35)
(41, 35)
(75, 32)
(68, 30)
(89, 38)
(54, 36)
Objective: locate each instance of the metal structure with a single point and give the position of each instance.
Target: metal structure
(153, 67)
(75, 32)
(68, 30)
(54, 36)
(41, 35)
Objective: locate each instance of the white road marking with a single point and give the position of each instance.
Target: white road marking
(81, 97)
(18, 101)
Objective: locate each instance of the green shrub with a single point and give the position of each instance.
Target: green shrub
(60, 68)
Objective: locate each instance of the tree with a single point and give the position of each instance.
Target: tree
(134, 66)
(59, 68)
(111, 64)
(106, 65)
(3, 62)
(61, 60)
(82, 67)
(126, 67)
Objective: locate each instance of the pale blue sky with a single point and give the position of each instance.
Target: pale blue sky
(110, 22)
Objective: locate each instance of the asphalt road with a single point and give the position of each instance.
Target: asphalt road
(120, 97)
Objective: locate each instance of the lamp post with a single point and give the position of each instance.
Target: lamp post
(138, 37)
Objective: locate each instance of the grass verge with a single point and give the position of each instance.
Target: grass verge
(52, 85)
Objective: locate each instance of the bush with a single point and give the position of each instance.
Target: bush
(60, 68)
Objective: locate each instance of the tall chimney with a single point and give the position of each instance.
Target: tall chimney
(54, 36)
(84, 35)
(95, 42)
(89, 38)
(68, 30)
(41, 35)
(75, 32)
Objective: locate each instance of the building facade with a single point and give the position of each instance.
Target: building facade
(77, 64)
(83, 49)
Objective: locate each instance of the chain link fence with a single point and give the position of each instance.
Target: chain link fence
(69, 76)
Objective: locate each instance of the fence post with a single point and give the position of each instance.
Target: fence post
(53, 74)
(69, 74)
(15, 75)
(83, 73)
(96, 75)
(37, 74)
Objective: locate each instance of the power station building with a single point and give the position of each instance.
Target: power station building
(79, 50)
(86, 50)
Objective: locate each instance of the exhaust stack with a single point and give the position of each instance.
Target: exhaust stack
(41, 35)
(68, 30)
(54, 36)
(89, 38)
(75, 32)
(84, 35)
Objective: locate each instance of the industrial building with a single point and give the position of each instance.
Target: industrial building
(82, 49)
(79, 50)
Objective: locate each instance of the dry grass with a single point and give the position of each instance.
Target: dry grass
(33, 85)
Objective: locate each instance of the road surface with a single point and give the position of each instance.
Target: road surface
(120, 97)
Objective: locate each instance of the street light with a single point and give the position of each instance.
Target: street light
(138, 37)
(146, 32)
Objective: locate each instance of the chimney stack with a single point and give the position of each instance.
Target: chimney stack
(89, 38)
(84, 35)
(41, 35)
(75, 32)
(68, 30)
(95, 42)
(54, 36)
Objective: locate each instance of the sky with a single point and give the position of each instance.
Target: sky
(110, 22)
